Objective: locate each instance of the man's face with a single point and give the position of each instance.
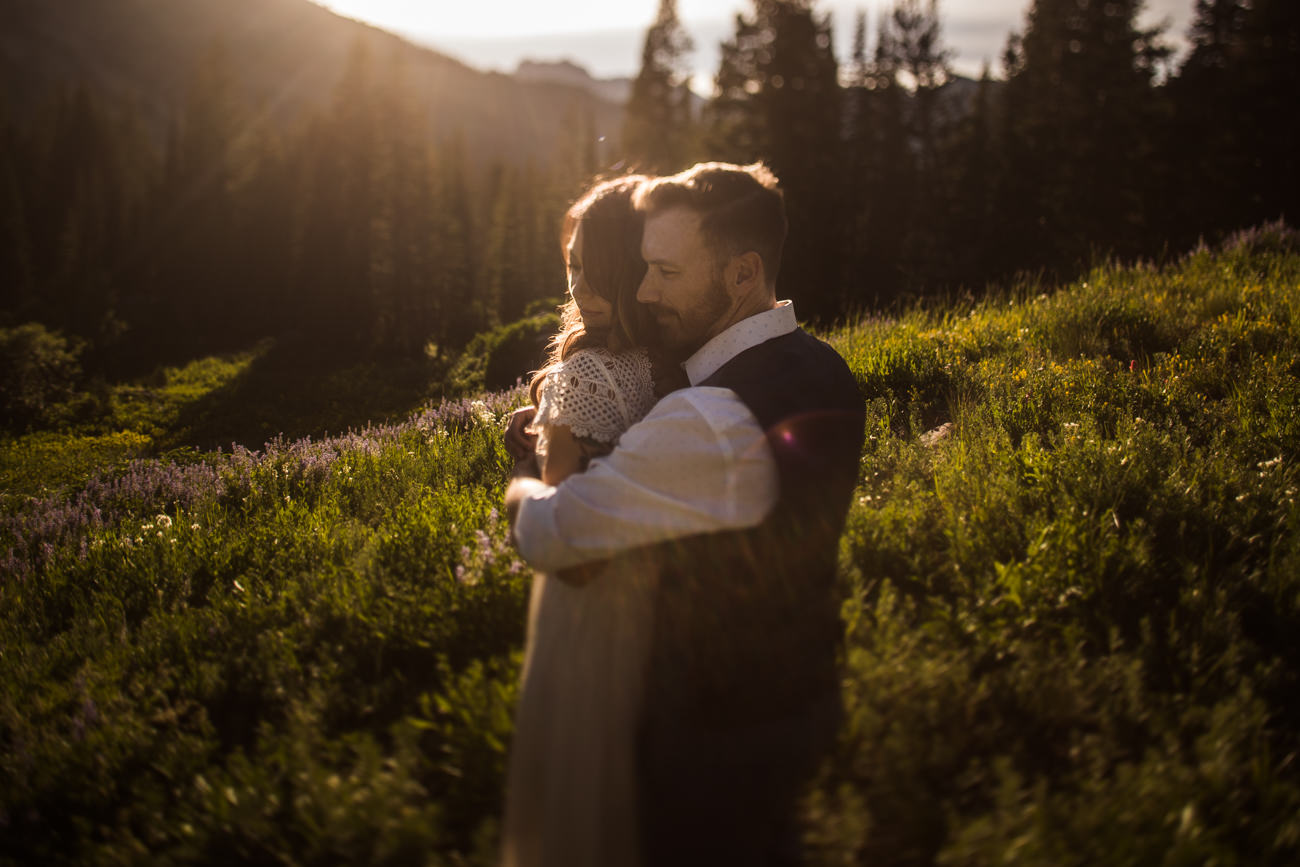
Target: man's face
(682, 285)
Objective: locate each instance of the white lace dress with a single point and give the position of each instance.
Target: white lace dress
(571, 787)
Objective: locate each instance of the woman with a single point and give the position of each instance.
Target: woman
(570, 796)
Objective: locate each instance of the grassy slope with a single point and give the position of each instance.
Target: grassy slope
(1071, 622)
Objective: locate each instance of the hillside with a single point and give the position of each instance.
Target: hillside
(1069, 622)
(615, 90)
(287, 54)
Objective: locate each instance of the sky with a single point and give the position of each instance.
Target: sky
(605, 36)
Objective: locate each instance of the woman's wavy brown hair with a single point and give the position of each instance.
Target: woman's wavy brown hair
(612, 264)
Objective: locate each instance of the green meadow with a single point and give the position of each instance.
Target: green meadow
(1071, 582)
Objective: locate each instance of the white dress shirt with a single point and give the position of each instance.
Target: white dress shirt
(699, 462)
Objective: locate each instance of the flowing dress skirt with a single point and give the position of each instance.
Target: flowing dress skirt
(571, 792)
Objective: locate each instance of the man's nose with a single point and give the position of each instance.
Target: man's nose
(645, 293)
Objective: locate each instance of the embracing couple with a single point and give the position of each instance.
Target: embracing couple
(680, 488)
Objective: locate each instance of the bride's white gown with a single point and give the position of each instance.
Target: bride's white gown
(571, 787)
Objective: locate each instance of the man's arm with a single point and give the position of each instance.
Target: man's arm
(697, 463)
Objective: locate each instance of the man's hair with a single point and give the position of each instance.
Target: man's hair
(741, 208)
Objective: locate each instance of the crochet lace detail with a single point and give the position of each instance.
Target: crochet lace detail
(597, 393)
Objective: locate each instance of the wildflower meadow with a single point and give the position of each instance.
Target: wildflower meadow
(1071, 583)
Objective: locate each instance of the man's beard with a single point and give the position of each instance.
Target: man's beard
(685, 332)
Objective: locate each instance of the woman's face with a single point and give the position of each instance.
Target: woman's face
(596, 312)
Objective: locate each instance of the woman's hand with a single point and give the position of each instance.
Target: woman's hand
(520, 444)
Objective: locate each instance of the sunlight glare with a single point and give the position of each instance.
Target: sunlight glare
(488, 19)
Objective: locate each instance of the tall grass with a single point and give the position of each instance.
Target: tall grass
(1071, 622)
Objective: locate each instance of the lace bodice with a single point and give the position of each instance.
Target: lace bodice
(597, 393)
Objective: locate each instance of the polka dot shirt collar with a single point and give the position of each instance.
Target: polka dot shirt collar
(745, 334)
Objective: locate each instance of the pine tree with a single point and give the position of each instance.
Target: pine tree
(1234, 101)
(916, 40)
(83, 196)
(778, 99)
(17, 288)
(461, 311)
(1081, 117)
(881, 168)
(971, 157)
(193, 235)
(657, 133)
(734, 131)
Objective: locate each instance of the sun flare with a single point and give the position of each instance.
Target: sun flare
(496, 18)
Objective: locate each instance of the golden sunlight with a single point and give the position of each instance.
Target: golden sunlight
(496, 18)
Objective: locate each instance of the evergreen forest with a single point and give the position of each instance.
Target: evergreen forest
(366, 225)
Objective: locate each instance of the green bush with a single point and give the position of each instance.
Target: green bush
(39, 374)
(496, 359)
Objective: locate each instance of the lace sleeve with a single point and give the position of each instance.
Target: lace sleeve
(598, 394)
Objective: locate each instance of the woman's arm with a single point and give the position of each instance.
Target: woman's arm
(565, 455)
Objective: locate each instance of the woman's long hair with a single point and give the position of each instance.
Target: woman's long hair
(613, 267)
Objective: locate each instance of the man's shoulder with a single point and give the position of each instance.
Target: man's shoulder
(793, 355)
(788, 375)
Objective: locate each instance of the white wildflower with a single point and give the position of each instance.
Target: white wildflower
(163, 521)
(482, 412)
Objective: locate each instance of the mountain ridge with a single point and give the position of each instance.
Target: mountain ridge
(286, 55)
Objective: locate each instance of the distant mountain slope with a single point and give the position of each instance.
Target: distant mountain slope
(567, 72)
(287, 54)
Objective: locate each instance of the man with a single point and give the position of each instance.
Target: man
(741, 482)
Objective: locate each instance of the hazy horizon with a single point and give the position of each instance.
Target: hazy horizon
(606, 38)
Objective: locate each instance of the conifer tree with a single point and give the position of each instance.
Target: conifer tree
(339, 186)
(734, 130)
(16, 286)
(80, 204)
(916, 40)
(1234, 104)
(778, 99)
(658, 130)
(521, 260)
(1081, 114)
(461, 312)
(881, 167)
(194, 232)
(970, 171)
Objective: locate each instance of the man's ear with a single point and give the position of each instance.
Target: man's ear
(744, 273)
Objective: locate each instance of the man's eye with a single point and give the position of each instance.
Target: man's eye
(667, 272)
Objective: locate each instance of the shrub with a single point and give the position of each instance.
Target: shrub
(497, 359)
(39, 373)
